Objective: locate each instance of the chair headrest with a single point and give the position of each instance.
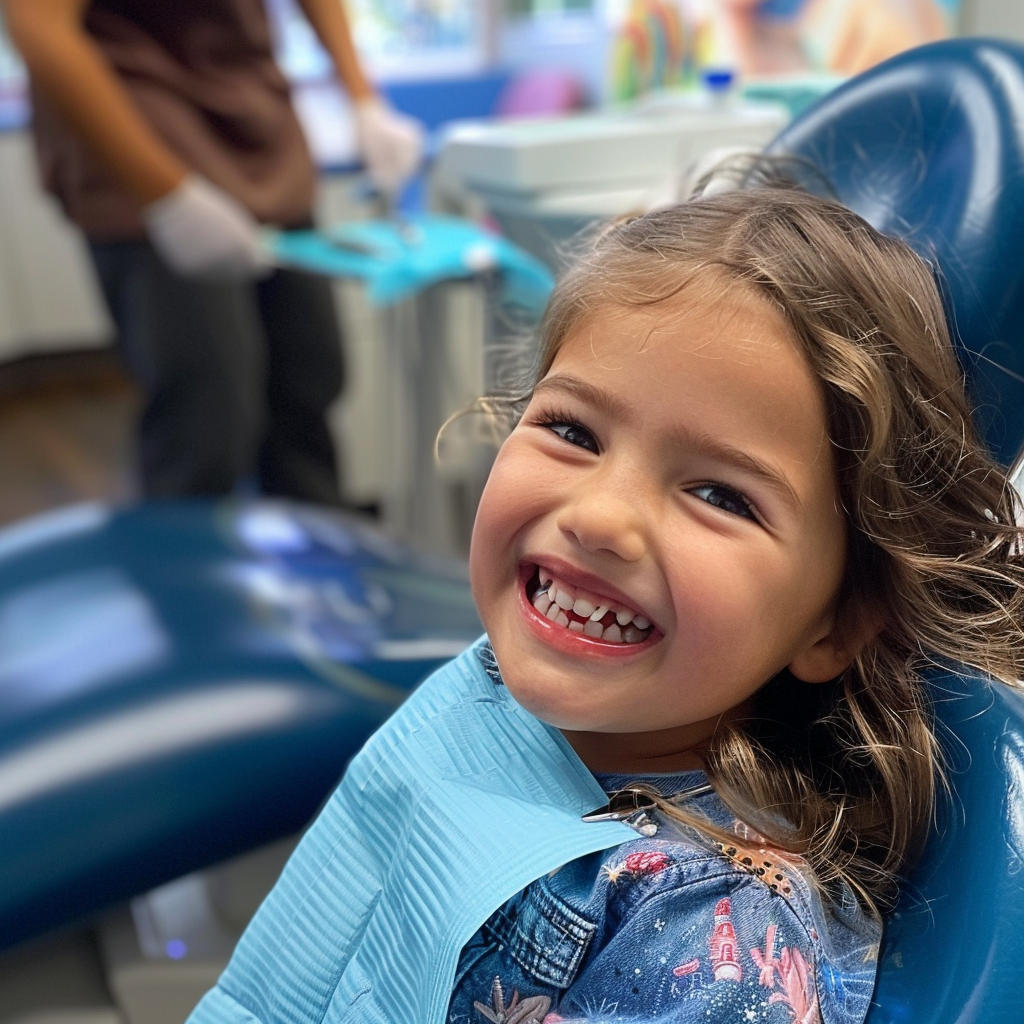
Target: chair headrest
(929, 146)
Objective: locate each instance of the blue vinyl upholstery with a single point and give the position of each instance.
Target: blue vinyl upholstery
(930, 146)
(184, 681)
(951, 952)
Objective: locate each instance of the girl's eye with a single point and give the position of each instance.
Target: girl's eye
(574, 434)
(726, 499)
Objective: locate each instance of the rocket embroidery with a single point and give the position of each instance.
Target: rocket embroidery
(724, 964)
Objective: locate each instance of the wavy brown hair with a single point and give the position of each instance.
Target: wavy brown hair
(845, 773)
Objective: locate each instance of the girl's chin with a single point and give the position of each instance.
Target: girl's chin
(558, 702)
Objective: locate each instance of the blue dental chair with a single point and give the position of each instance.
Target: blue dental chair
(247, 649)
(930, 146)
(183, 682)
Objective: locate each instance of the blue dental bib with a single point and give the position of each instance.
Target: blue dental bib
(457, 803)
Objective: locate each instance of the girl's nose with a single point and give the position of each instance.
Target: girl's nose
(605, 519)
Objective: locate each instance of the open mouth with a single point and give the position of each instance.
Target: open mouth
(582, 612)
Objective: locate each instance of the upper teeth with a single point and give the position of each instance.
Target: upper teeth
(555, 598)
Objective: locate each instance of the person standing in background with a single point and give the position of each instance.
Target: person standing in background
(166, 130)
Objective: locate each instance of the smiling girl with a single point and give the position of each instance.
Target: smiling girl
(741, 509)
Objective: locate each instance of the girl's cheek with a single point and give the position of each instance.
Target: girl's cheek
(524, 482)
(494, 530)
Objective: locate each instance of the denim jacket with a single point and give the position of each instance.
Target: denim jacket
(673, 927)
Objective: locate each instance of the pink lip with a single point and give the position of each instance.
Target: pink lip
(563, 639)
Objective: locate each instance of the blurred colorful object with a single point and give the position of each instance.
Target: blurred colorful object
(653, 49)
(546, 92)
(831, 37)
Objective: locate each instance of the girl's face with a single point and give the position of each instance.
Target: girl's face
(674, 469)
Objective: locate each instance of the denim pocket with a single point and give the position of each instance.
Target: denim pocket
(547, 938)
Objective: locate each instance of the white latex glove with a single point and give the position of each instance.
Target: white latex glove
(391, 143)
(198, 230)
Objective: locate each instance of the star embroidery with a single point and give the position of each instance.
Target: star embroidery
(659, 925)
(612, 873)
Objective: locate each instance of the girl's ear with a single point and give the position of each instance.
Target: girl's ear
(852, 630)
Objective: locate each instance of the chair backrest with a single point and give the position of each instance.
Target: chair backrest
(930, 146)
(951, 953)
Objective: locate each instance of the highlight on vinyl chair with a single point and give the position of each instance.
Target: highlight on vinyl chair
(929, 146)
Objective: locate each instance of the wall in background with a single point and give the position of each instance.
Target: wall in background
(1003, 18)
(49, 300)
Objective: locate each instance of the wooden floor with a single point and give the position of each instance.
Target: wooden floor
(65, 433)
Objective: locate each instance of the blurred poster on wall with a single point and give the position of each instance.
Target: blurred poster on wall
(832, 37)
(396, 38)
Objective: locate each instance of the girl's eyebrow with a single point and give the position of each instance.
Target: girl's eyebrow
(601, 400)
(711, 447)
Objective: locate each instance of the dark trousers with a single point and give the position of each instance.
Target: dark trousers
(236, 376)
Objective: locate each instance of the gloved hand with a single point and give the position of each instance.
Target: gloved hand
(391, 143)
(198, 230)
